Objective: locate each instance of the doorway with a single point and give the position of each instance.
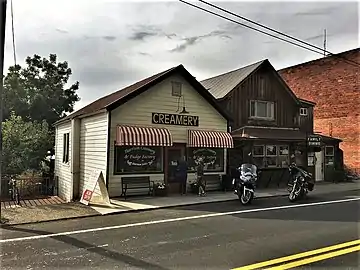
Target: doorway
(319, 166)
(174, 155)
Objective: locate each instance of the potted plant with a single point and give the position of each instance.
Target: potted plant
(160, 189)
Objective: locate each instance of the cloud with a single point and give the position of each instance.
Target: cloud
(190, 41)
(61, 31)
(111, 44)
(109, 38)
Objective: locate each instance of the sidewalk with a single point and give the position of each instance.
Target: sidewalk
(42, 213)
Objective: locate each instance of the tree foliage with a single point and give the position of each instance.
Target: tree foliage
(25, 144)
(39, 91)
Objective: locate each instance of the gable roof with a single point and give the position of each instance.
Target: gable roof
(220, 85)
(119, 97)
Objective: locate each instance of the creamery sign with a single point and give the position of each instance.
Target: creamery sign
(175, 119)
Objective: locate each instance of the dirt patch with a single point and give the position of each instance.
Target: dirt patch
(42, 213)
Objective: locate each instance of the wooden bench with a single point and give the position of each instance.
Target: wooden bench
(140, 182)
(213, 182)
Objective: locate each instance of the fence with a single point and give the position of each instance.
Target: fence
(30, 187)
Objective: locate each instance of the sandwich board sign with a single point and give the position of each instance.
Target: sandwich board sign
(96, 179)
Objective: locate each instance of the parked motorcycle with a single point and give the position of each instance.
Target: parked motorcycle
(300, 184)
(245, 184)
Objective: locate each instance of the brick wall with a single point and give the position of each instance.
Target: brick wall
(348, 129)
(334, 85)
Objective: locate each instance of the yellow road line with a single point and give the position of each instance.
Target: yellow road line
(298, 256)
(315, 258)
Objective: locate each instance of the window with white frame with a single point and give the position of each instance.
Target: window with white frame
(262, 109)
(176, 89)
(66, 143)
(283, 156)
(271, 155)
(329, 155)
(303, 111)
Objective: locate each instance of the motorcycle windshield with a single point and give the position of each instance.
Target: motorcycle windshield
(248, 169)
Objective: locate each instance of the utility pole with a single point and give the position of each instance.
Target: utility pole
(324, 42)
(2, 53)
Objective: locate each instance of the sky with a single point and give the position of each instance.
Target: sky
(110, 44)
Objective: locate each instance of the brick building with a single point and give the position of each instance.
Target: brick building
(333, 84)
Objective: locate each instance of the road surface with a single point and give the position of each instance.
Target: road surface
(211, 236)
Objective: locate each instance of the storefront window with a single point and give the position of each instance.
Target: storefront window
(258, 155)
(213, 159)
(283, 155)
(137, 159)
(271, 155)
(329, 155)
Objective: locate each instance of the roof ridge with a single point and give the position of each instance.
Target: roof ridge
(231, 71)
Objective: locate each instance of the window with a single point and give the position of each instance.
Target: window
(176, 89)
(329, 155)
(137, 159)
(303, 111)
(261, 109)
(213, 159)
(66, 143)
(258, 155)
(283, 156)
(271, 155)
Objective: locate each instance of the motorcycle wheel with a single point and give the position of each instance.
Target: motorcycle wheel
(246, 198)
(295, 192)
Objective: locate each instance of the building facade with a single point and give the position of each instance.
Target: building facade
(143, 131)
(269, 121)
(333, 83)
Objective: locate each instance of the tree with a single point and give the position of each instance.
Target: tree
(39, 91)
(25, 144)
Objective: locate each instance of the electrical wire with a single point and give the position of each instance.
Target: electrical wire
(13, 29)
(277, 32)
(252, 28)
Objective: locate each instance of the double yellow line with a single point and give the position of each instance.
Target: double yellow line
(307, 257)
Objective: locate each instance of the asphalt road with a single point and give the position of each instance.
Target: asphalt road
(210, 236)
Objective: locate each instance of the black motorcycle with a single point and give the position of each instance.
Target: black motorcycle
(245, 184)
(301, 182)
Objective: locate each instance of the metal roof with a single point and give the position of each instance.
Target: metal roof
(219, 86)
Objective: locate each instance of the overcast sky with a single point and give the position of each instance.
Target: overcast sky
(110, 44)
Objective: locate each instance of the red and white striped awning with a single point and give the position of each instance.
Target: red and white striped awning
(143, 136)
(210, 139)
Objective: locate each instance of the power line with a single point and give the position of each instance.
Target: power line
(255, 29)
(278, 32)
(252, 28)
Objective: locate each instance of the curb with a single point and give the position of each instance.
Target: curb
(149, 209)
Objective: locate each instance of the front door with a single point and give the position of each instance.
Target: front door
(174, 155)
(319, 166)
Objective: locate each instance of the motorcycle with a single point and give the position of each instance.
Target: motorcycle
(245, 184)
(302, 183)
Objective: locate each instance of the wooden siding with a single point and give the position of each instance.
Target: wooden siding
(159, 99)
(262, 85)
(62, 170)
(307, 122)
(93, 148)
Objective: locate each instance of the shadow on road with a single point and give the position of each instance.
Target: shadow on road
(94, 249)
